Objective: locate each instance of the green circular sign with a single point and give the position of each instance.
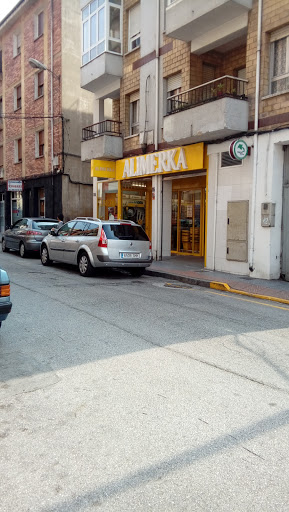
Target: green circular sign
(240, 149)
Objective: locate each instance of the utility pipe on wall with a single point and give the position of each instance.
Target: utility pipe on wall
(255, 164)
(156, 134)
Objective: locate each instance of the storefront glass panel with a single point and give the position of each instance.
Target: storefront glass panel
(137, 202)
(107, 196)
(188, 221)
(16, 206)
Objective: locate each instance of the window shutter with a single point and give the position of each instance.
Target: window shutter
(208, 73)
(279, 34)
(242, 73)
(134, 20)
(174, 82)
(134, 97)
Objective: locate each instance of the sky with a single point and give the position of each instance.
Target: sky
(6, 6)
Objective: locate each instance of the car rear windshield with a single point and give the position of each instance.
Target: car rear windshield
(124, 232)
(43, 224)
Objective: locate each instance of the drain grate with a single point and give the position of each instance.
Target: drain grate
(175, 285)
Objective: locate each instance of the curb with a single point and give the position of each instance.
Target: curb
(215, 285)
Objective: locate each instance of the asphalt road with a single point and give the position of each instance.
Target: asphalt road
(136, 395)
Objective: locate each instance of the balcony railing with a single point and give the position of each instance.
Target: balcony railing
(107, 127)
(225, 86)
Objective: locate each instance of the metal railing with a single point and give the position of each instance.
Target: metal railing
(102, 128)
(225, 86)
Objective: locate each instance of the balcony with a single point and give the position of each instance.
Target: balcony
(102, 75)
(102, 141)
(211, 111)
(207, 21)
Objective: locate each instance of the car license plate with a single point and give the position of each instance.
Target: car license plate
(129, 255)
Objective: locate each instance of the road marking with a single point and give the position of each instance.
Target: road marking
(225, 287)
(248, 300)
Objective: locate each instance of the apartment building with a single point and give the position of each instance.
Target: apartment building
(190, 126)
(43, 110)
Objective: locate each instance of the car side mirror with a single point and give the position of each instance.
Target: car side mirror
(53, 232)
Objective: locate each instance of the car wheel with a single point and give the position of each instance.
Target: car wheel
(22, 250)
(4, 248)
(137, 272)
(44, 256)
(84, 265)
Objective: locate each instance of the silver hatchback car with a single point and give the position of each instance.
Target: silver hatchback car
(26, 234)
(93, 243)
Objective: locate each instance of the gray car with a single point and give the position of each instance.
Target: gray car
(5, 303)
(26, 234)
(92, 243)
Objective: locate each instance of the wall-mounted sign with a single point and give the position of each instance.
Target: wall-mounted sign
(14, 185)
(238, 149)
(185, 158)
(103, 169)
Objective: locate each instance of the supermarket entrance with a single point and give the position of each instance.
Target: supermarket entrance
(188, 218)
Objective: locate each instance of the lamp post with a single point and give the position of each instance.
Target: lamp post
(34, 63)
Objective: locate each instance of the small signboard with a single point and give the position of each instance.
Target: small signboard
(14, 185)
(238, 149)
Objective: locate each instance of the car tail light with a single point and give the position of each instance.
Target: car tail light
(102, 240)
(150, 246)
(5, 290)
(31, 232)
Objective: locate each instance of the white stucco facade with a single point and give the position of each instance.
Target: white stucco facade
(235, 183)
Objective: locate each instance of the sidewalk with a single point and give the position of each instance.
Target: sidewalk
(191, 270)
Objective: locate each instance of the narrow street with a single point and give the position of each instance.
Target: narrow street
(134, 395)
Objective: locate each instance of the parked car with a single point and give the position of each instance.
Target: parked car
(5, 303)
(92, 243)
(26, 234)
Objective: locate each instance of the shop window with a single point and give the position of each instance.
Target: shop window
(134, 27)
(39, 84)
(38, 25)
(17, 151)
(2, 213)
(17, 97)
(227, 161)
(16, 206)
(279, 61)
(134, 114)
(39, 144)
(41, 202)
(16, 44)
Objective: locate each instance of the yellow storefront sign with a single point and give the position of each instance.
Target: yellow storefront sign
(185, 158)
(103, 169)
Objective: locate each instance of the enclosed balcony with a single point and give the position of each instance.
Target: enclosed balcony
(211, 111)
(101, 69)
(208, 22)
(102, 141)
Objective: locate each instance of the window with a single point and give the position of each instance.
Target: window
(17, 97)
(134, 27)
(1, 163)
(39, 144)
(227, 161)
(93, 30)
(279, 62)
(1, 109)
(18, 151)
(134, 114)
(101, 28)
(38, 25)
(174, 86)
(39, 84)
(16, 45)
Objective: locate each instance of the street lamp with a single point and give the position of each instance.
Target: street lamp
(34, 63)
